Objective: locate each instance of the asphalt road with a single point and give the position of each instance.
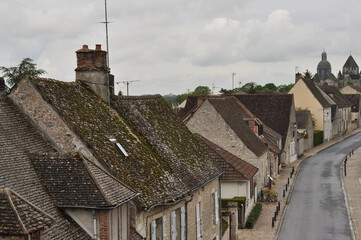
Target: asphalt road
(317, 207)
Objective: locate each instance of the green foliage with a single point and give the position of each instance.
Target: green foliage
(201, 90)
(253, 216)
(307, 74)
(285, 88)
(349, 82)
(317, 137)
(239, 200)
(26, 68)
(270, 87)
(120, 93)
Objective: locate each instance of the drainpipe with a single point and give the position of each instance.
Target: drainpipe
(220, 208)
(94, 225)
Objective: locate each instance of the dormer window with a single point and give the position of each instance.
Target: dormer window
(119, 146)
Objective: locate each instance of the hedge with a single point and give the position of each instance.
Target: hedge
(317, 137)
(253, 216)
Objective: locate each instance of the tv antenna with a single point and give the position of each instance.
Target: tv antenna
(106, 30)
(127, 83)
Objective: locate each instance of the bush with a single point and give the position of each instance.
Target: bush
(317, 137)
(253, 216)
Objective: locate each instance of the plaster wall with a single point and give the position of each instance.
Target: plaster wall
(349, 90)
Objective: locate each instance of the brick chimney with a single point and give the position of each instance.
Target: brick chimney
(298, 76)
(92, 69)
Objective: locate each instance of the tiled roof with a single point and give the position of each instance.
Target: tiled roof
(336, 95)
(355, 101)
(17, 137)
(233, 114)
(316, 93)
(143, 169)
(350, 62)
(71, 183)
(273, 110)
(169, 138)
(18, 216)
(302, 118)
(234, 168)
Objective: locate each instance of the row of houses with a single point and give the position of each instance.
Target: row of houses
(78, 162)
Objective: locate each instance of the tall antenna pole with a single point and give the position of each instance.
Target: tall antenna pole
(106, 31)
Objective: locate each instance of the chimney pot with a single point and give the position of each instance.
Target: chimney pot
(98, 47)
(85, 46)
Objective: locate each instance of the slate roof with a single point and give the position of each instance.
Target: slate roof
(147, 169)
(350, 62)
(302, 118)
(316, 93)
(18, 216)
(234, 168)
(17, 137)
(169, 138)
(336, 95)
(273, 110)
(354, 100)
(192, 102)
(70, 180)
(233, 114)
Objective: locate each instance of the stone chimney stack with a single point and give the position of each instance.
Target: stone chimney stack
(92, 69)
(2, 85)
(298, 76)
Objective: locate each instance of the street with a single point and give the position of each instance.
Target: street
(317, 207)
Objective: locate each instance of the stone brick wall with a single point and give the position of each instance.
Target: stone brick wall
(204, 195)
(104, 225)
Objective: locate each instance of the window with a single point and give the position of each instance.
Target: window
(157, 229)
(119, 146)
(215, 208)
(177, 224)
(198, 221)
(292, 148)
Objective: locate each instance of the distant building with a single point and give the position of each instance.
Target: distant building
(350, 73)
(324, 72)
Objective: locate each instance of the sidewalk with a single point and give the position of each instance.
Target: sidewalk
(352, 186)
(263, 228)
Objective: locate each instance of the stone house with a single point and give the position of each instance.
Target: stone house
(18, 138)
(308, 96)
(305, 128)
(277, 112)
(341, 114)
(138, 140)
(355, 109)
(221, 121)
(237, 179)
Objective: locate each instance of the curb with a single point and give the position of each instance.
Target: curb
(346, 203)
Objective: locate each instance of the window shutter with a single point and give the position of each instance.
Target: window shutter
(198, 221)
(173, 227)
(164, 232)
(183, 224)
(216, 207)
(153, 232)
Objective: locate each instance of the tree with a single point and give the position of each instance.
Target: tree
(250, 87)
(26, 68)
(307, 74)
(349, 82)
(201, 90)
(285, 88)
(270, 87)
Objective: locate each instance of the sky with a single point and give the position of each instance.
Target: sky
(173, 46)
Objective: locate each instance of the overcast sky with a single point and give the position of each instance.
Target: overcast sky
(173, 46)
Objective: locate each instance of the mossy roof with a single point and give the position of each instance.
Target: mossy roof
(170, 138)
(151, 174)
